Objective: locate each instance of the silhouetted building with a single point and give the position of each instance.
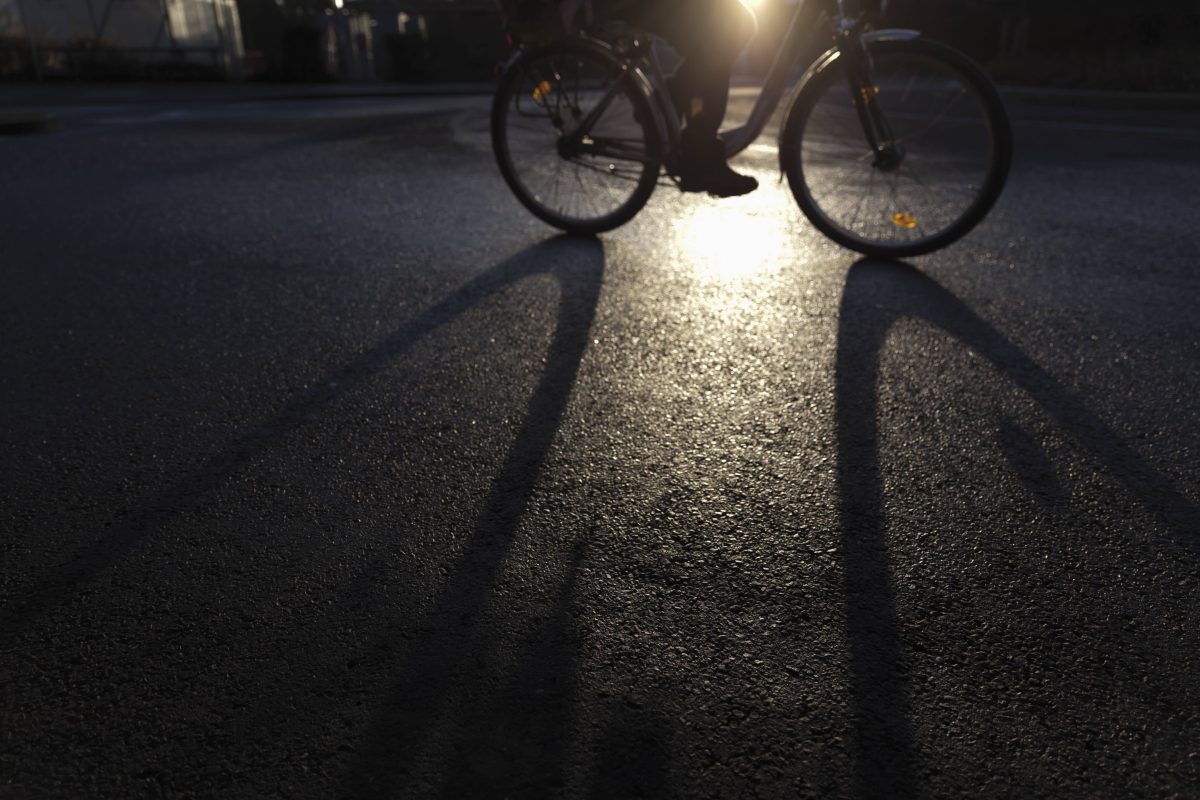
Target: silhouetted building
(120, 38)
(306, 40)
(1072, 43)
(434, 39)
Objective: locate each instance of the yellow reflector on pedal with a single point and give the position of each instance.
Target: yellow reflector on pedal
(541, 90)
(869, 91)
(902, 220)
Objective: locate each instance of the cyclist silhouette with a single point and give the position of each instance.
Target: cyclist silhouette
(709, 35)
(893, 144)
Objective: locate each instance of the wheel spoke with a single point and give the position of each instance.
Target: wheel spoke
(938, 170)
(614, 171)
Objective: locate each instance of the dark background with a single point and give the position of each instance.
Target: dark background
(1104, 45)
(1145, 46)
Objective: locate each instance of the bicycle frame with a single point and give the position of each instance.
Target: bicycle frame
(870, 94)
(848, 43)
(801, 33)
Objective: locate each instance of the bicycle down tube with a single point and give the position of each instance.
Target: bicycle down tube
(790, 49)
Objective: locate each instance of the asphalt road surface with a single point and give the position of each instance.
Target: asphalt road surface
(330, 472)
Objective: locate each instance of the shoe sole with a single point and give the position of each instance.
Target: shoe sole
(693, 189)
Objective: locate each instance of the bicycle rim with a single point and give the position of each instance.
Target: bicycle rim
(951, 136)
(548, 95)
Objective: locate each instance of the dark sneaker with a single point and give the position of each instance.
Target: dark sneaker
(716, 179)
(702, 168)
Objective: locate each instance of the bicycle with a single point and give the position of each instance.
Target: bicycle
(893, 145)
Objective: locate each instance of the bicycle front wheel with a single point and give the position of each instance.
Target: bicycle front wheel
(581, 181)
(942, 157)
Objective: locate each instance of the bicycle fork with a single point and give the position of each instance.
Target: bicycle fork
(888, 153)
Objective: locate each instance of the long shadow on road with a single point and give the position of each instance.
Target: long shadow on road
(471, 710)
(578, 266)
(480, 706)
(474, 710)
(877, 296)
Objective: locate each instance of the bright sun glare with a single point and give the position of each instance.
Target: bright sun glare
(732, 241)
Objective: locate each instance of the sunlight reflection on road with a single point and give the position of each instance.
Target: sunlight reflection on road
(732, 240)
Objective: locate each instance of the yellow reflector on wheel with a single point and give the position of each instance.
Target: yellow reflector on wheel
(541, 90)
(902, 220)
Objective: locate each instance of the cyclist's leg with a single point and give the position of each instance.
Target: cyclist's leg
(709, 35)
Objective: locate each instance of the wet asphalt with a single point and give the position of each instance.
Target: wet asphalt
(330, 472)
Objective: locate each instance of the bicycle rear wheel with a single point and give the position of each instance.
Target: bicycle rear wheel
(944, 157)
(586, 184)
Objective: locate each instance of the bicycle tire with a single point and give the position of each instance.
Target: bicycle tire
(898, 230)
(629, 113)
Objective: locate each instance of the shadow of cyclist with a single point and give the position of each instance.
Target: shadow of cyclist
(876, 297)
(480, 702)
(577, 264)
